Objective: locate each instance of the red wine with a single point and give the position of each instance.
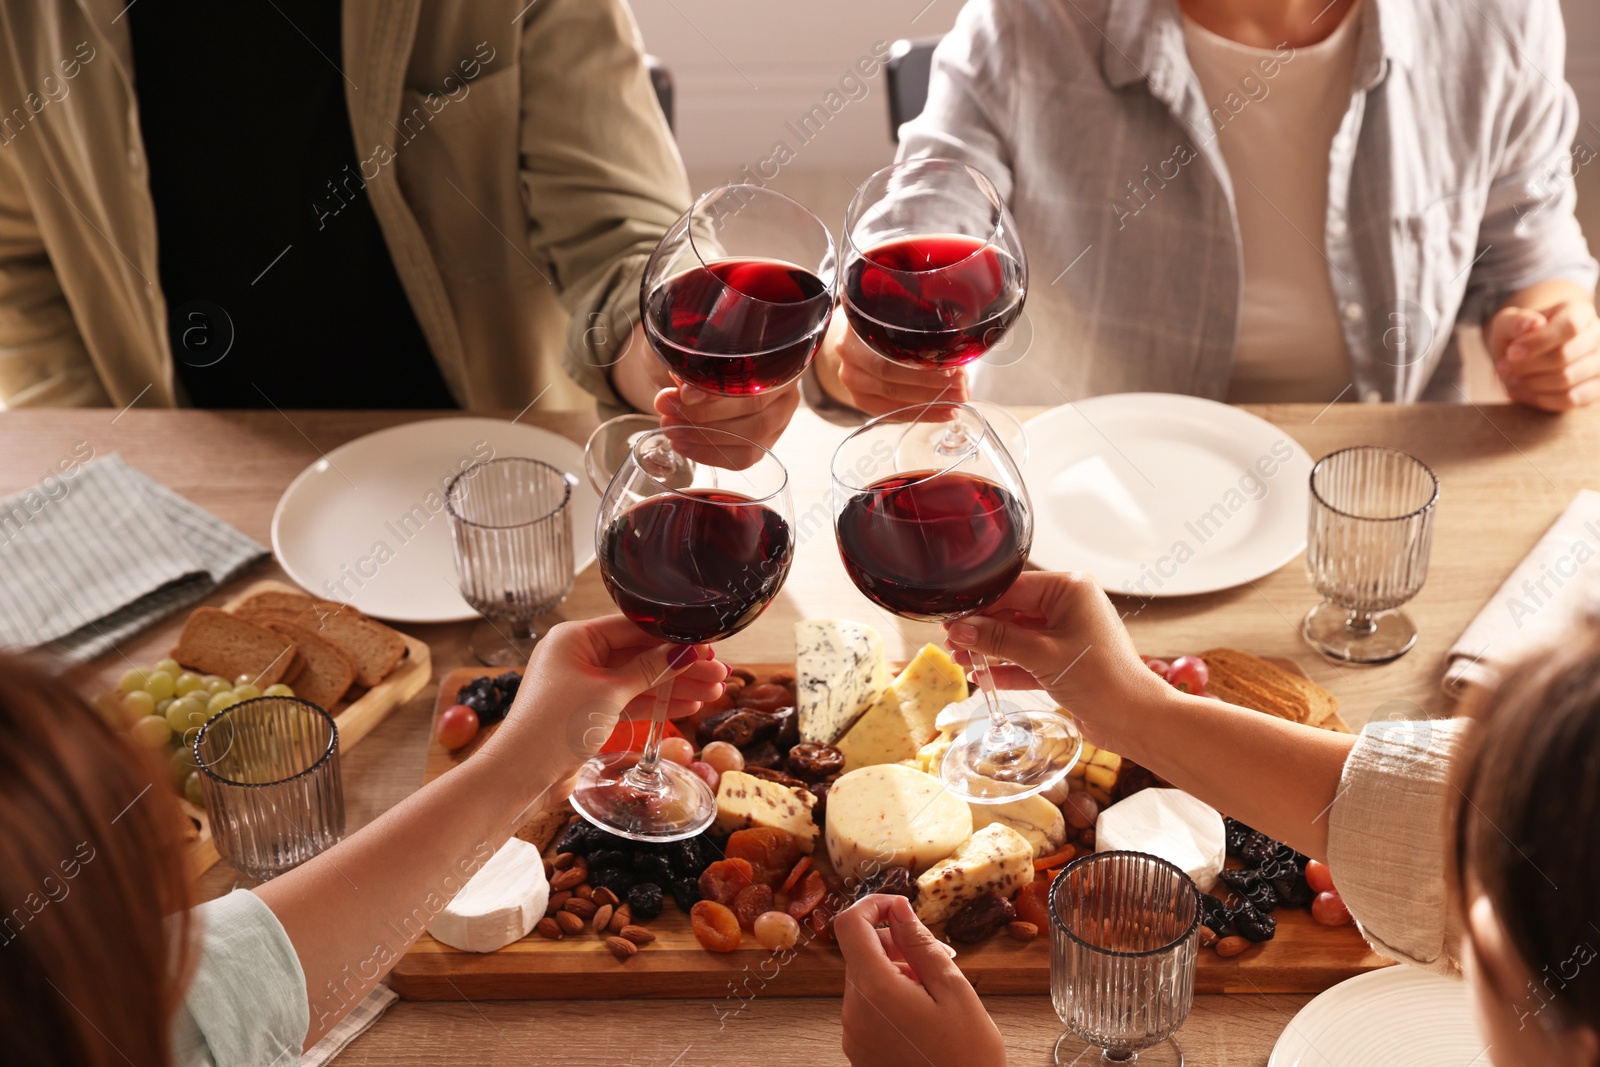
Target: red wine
(739, 326)
(932, 546)
(933, 301)
(691, 568)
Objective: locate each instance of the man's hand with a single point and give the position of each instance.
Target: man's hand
(1548, 358)
(852, 373)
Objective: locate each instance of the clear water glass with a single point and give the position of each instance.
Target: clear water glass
(269, 772)
(511, 524)
(1124, 942)
(1370, 530)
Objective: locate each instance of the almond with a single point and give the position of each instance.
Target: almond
(583, 909)
(563, 860)
(602, 919)
(557, 901)
(1022, 931)
(586, 891)
(547, 927)
(606, 896)
(1208, 936)
(549, 869)
(570, 878)
(1231, 946)
(621, 948)
(623, 916)
(569, 923)
(637, 934)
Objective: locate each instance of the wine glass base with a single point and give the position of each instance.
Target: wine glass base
(495, 644)
(1049, 744)
(1327, 629)
(679, 805)
(1073, 1051)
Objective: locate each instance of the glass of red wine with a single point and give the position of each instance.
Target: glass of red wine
(934, 271)
(735, 299)
(691, 559)
(935, 537)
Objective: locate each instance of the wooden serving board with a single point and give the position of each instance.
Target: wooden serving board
(1303, 958)
(355, 718)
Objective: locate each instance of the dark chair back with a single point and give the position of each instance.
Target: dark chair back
(907, 70)
(661, 82)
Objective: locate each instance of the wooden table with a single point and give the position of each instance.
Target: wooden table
(1507, 473)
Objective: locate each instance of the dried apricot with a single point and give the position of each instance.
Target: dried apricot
(751, 902)
(1033, 904)
(798, 873)
(722, 880)
(807, 895)
(820, 922)
(770, 852)
(715, 927)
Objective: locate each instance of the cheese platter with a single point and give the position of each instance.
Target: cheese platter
(798, 835)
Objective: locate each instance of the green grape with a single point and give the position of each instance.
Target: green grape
(132, 679)
(159, 684)
(279, 690)
(163, 705)
(139, 703)
(187, 682)
(246, 692)
(184, 715)
(220, 702)
(151, 731)
(244, 679)
(170, 665)
(215, 683)
(192, 791)
(181, 765)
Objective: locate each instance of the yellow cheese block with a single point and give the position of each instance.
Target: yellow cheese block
(1038, 821)
(743, 800)
(892, 816)
(901, 720)
(996, 857)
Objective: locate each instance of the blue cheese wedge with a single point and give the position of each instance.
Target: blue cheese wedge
(901, 721)
(839, 672)
(743, 800)
(996, 857)
(499, 905)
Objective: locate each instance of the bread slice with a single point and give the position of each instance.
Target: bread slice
(215, 642)
(1323, 706)
(329, 670)
(1252, 682)
(374, 647)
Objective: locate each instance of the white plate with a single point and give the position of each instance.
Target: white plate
(366, 523)
(1160, 494)
(1396, 1015)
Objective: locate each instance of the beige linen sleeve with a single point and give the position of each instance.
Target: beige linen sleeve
(1388, 840)
(601, 175)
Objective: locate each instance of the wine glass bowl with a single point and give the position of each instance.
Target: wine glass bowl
(690, 558)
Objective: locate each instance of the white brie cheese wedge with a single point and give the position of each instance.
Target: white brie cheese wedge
(1169, 823)
(499, 905)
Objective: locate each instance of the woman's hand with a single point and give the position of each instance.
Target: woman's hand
(851, 372)
(905, 1002)
(1549, 358)
(1059, 632)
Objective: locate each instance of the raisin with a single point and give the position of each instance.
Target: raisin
(980, 919)
(652, 867)
(805, 897)
(644, 900)
(771, 853)
(1254, 924)
(722, 881)
(815, 762)
(895, 881)
(1235, 834)
(715, 927)
(751, 902)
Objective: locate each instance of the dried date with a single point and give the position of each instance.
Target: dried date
(764, 697)
(770, 775)
(762, 754)
(738, 727)
(980, 919)
(896, 881)
(815, 762)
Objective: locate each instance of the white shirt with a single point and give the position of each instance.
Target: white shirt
(1275, 134)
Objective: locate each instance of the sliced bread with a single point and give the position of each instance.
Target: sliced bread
(373, 647)
(329, 670)
(215, 642)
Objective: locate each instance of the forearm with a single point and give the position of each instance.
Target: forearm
(1279, 777)
(353, 911)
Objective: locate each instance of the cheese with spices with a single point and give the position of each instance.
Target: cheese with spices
(892, 816)
(743, 800)
(996, 857)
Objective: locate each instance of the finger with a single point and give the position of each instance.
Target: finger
(878, 375)
(1560, 328)
(1509, 323)
(855, 929)
(1565, 377)
(1553, 360)
(1005, 676)
(652, 667)
(935, 969)
(892, 950)
(1562, 400)
(698, 406)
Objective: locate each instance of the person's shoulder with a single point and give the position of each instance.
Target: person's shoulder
(1486, 33)
(1039, 25)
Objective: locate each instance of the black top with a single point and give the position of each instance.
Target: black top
(266, 234)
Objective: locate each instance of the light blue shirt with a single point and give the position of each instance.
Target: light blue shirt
(1449, 188)
(246, 1003)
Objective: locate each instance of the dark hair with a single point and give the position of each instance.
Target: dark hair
(91, 866)
(1527, 821)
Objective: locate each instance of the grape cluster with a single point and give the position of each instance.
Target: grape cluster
(489, 697)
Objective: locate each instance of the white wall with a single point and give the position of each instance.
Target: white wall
(745, 68)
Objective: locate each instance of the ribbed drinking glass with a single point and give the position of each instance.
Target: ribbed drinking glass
(269, 772)
(1124, 940)
(1370, 528)
(511, 524)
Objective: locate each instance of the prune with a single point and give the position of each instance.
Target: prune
(508, 683)
(1252, 886)
(770, 775)
(1254, 924)
(722, 880)
(685, 893)
(1235, 834)
(980, 919)
(752, 902)
(715, 927)
(895, 881)
(617, 879)
(1293, 891)
(762, 754)
(1215, 914)
(691, 856)
(804, 898)
(582, 838)
(652, 868)
(814, 762)
(788, 734)
(644, 900)
(1259, 850)
(610, 857)
(740, 727)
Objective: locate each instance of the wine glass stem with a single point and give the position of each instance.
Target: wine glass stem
(644, 772)
(1001, 733)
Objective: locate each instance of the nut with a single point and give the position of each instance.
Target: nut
(547, 927)
(1232, 946)
(621, 948)
(1208, 936)
(1022, 931)
(556, 901)
(623, 916)
(581, 864)
(569, 923)
(570, 878)
(605, 896)
(581, 907)
(637, 934)
(602, 919)
(548, 869)
(563, 860)
(586, 891)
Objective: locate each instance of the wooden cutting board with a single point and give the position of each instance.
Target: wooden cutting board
(355, 718)
(1303, 958)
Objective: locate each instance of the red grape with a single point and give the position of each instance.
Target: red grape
(708, 772)
(1160, 666)
(1329, 910)
(458, 725)
(678, 750)
(1319, 877)
(1188, 674)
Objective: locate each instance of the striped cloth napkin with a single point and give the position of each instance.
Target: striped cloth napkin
(104, 553)
(352, 1026)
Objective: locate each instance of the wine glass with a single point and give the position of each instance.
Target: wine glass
(935, 537)
(735, 300)
(934, 271)
(691, 559)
